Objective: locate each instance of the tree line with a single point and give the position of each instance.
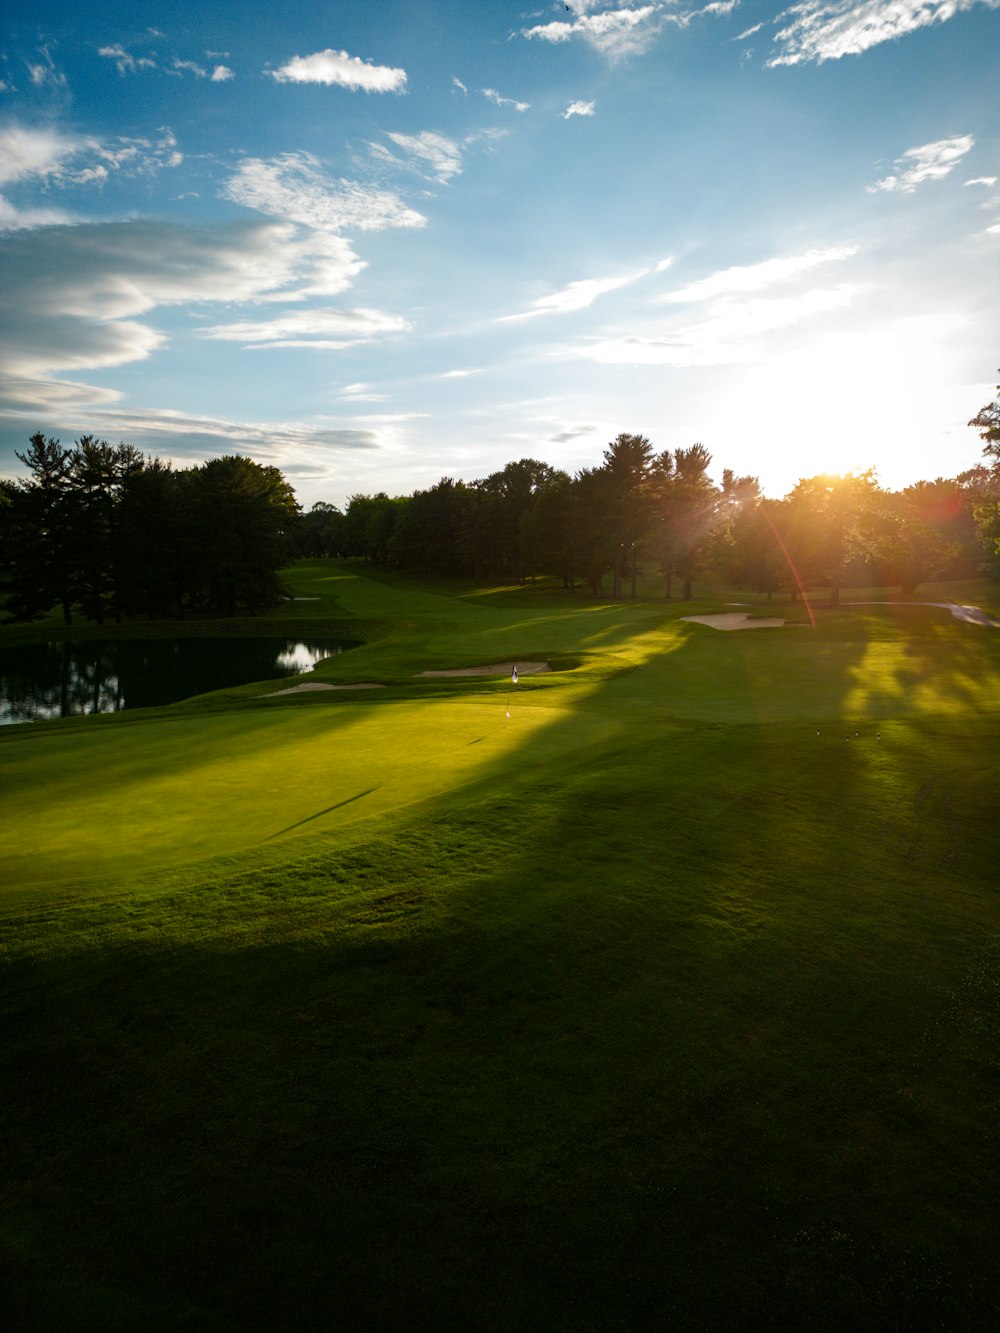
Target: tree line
(643, 512)
(105, 532)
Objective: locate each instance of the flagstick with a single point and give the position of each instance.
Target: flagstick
(513, 678)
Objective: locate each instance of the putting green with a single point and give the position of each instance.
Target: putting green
(109, 800)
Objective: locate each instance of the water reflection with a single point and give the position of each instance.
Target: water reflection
(46, 680)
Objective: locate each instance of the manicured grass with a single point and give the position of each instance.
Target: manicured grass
(670, 1003)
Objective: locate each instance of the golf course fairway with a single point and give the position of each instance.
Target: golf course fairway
(660, 989)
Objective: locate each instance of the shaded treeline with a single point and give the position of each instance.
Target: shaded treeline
(643, 513)
(106, 532)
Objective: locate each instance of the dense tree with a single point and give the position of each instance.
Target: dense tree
(106, 531)
(903, 547)
(320, 532)
(629, 466)
(245, 514)
(832, 520)
(689, 506)
(40, 572)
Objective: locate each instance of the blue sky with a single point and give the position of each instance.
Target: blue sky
(379, 243)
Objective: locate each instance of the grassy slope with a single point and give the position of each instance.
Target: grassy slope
(652, 1007)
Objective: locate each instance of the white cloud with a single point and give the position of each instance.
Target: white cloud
(988, 181)
(576, 296)
(222, 74)
(46, 154)
(578, 109)
(755, 277)
(73, 294)
(346, 71)
(297, 446)
(615, 32)
(125, 62)
(457, 83)
(332, 329)
(621, 29)
(460, 374)
(730, 333)
(362, 393)
(819, 30)
(19, 219)
(28, 152)
(443, 156)
(492, 95)
(932, 161)
(199, 71)
(45, 73)
(293, 186)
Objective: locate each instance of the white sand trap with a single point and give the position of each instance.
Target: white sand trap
(974, 615)
(308, 685)
(497, 669)
(733, 620)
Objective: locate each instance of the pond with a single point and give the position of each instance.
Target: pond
(45, 680)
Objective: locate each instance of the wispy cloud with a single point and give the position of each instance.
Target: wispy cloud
(576, 296)
(578, 109)
(493, 96)
(460, 374)
(819, 30)
(26, 151)
(616, 31)
(626, 28)
(61, 160)
(730, 333)
(742, 279)
(361, 393)
(932, 161)
(346, 71)
(442, 155)
(321, 329)
(125, 62)
(190, 67)
(300, 447)
(988, 181)
(294, 186)
(43, 73)
(457, 83)
(75, 296)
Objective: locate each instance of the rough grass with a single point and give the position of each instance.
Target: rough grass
(652, 1008)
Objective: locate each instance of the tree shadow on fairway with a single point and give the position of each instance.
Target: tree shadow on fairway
(693, 1031)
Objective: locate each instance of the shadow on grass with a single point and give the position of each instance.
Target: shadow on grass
(320, 813)
(698, 1034)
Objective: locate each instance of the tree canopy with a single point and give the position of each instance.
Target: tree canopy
(104, 532)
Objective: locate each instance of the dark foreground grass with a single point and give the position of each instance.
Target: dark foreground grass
(702, 1037)
(674, 1003)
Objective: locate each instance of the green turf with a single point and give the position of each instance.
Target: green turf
(673, 1001)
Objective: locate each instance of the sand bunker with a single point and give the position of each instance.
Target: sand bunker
(974, 615)
(497, 669)
(733, 620)
(322, 685)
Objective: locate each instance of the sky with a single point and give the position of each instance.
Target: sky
(380, 242)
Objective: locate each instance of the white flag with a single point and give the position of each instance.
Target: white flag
(513, 676)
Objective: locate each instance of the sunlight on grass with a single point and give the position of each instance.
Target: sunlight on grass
(891, 678)
(219, 784)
